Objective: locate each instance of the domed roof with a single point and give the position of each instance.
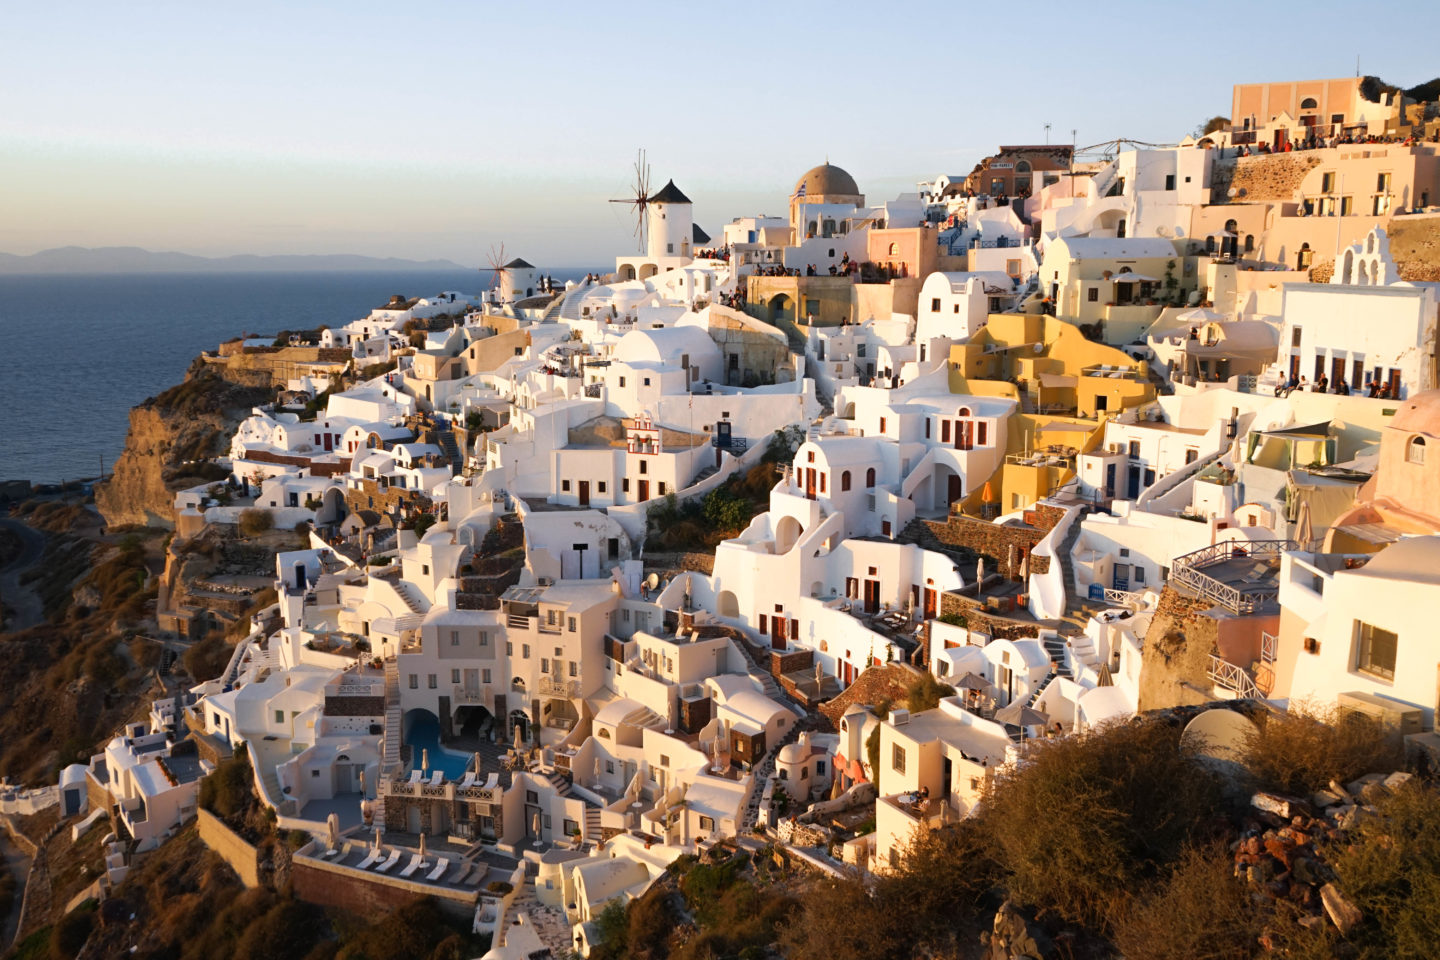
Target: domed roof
(791, 753)
(827, 180)
(1419, 414)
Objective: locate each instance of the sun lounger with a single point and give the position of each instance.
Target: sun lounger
(415, 864)
(468, 781)
(493, 782)
(369, 861)
(440, 867)
(389, 863)
(415, 776)
(438, 779)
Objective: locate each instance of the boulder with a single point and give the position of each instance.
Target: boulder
(1344, 914)
(1397, 779)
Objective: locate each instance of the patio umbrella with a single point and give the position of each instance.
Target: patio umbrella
(377, 838)
(535, 827)
(597, 766)
(425, 759)
(422, 846)
(332, 826)
(979, 574)
(987, 494)
(362, 783)
(971, 681)
(519, 738)
(1010, 560)
(1019, 715)
(1025, 567)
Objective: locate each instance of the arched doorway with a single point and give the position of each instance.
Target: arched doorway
(474, 722)
(726, 604)
(626, 271)
(782, 307)
(787, 531)
(519, 724)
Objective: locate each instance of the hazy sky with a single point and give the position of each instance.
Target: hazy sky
(443, 128)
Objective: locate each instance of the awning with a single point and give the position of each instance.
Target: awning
(1133, 278)
(1056, 380)
(1059, 426)
(1313, 431)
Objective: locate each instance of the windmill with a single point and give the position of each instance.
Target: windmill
(496, 258)
(641, 200)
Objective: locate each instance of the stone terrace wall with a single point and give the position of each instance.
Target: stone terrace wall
(1273, 177)
(230, 847)
(876, 684)
(994, 539)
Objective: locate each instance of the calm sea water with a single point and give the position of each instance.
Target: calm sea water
(80, 351)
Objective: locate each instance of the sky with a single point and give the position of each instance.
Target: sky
(427, 130)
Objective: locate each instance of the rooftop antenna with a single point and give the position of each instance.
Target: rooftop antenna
(641, 199)
(1047, 134)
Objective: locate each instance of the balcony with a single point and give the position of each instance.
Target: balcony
(558, 687)
(1233, 677)
(1242, 576)
(467, 696)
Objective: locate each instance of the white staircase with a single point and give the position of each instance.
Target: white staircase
(592, 827)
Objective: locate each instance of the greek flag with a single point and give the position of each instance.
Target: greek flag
(800, 191)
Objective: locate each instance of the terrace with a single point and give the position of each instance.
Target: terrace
(1241, 576)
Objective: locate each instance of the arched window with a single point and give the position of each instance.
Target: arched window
(1249, 243)
(894, 249)
(1308, 104)
(1415, 451)
(1230, 226)
(844, 481)
(870, 477)
(963, 412)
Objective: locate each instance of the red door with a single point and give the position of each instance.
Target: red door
(954, 492)
(929, 603)
(810, 483)
(872, 596)
(584, 493)
(644, 490)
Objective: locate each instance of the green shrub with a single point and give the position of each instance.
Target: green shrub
(228, 792)
(925, 693)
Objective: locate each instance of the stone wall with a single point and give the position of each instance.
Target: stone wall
(993, 539)
(230, 847)
(370, 496)
(1273, 177)
(890, 681)
(370, 894)
(998, 626)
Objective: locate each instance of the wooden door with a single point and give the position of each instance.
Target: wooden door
(872, 596)
(584, 493)
(644, 490)
(953, 493)
(810, 483)
(930, 596)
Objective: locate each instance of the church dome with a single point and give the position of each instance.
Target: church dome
(827, 180)
(1419, 414)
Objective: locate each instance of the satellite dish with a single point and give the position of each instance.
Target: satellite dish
(1219, 736)
(1039, 348)
(1233, 192)
(652, 581)
(1162, 231)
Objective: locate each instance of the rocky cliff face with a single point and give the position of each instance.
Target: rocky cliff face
(186, 423)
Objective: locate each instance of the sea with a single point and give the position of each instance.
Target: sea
(81, 350)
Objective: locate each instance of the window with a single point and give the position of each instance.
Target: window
(662, 488)
(565, 486)
(1415, 451)
(644, 466)
(870, 477)
(525, 650)
(844, 480)
(574, 669)
(1093, 295)
(1191, 454)
(1347, 206)
(622, 381)
(432, 684)
(1375, 650)
(455, 675)
(484, 639)
(1382, 183)
(609, 766)
(1327, 183)
(707, 823)
(647, 381)
(1295, 337)
(944, 431)
(570, 624)
(882, 424)
(897, 758)
(544, 664)
(532, 797)
(454, 638)
(280, 714)
(1137, 574)
(600, 487)
(414, 681)
(935, 305)
(485, 675)
(625, 485)
(927, 423)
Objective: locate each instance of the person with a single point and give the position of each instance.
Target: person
(1323, 384)
(1194, 333)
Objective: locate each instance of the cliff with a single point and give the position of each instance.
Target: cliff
(168, 434)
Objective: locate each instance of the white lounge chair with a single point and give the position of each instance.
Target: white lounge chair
(415, 864)
(468, 780)
(369, 861)
(438, 778)
(415, 776)
(440, 867)
(493, 782)
(389, 863)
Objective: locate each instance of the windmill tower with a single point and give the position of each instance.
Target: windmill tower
(671, 224)
(512, 280)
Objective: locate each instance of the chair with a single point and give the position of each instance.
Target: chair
(493, 782)
(438, 778)
(375, 855)
(390, 862)
(440, 867)
(468, 780)
(415, 864)
(415, 776)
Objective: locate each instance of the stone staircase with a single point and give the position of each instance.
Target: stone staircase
(1078, 609)
(445, 440)
(767, 680)
(560, 782)
(390, 761)
(407, 594)
(549, 923)
(592, 828)
(765, 769)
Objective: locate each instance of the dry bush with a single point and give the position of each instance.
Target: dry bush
(254, 521)
(1088, 822)
(208, 657)
(1306, 747)
(1201, 913)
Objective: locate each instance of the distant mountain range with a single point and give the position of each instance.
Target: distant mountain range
(136, 260)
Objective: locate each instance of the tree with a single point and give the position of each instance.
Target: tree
(1213, 125)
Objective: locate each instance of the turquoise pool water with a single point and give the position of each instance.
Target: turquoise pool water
(424, 734)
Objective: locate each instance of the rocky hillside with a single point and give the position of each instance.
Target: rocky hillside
(192, 420)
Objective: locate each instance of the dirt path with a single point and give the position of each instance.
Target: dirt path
(27, 610)
(18, 866)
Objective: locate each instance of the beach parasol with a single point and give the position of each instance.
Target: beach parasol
(424, 759)
(972, 681)
(422, 846)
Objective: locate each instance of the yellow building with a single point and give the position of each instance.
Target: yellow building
(1067, 387)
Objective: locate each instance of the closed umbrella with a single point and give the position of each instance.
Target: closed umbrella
(422, 846)
(377, 839)
(1303, 531)
(519, 737)
(424, 759)
(477, 764)
(332, 825)
(979, 574)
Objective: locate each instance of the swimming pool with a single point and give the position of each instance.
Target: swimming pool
(424, 734)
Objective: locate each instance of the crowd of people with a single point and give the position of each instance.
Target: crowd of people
(1317, 142)
(1375, 389)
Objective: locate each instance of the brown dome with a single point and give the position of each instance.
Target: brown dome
(827, 180)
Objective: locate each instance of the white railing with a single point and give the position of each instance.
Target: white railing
(1126, 598)
(1233, 677)
(1269, 646)
(557, 687)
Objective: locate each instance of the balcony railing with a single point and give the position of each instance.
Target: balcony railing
(467, 696)
(1232, 677)
(1125, 598)
(558, 687)
(1188, 571)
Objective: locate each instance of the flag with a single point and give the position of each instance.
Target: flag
(799, 191)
